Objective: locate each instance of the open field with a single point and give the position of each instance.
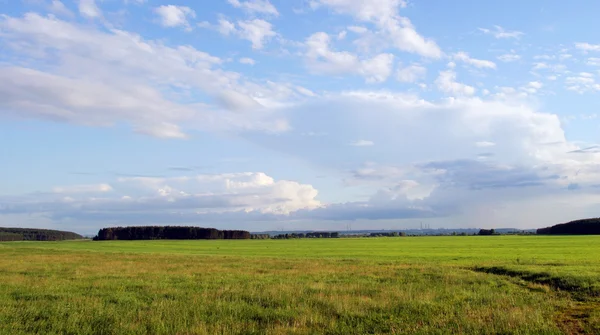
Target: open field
(420, 285)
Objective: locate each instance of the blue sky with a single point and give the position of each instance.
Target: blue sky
(305, 114)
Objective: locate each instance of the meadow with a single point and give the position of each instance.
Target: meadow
(401, 285)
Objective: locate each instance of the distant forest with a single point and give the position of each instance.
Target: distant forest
(169, 233)
(577, 227)
(34, 234)
(319, 234)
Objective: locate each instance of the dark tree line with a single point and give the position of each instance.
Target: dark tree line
(308, 235)
(487, 232)
(169, 233)
(260, 236)
(34, 234)
(388, 234)
(577, 227)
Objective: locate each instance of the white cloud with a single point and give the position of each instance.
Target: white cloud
(565, 56)
(529, 157)
(585, 47)
(535, 84)
(446, 82)
(248, 61)
(582, 83)
(358, 29)
(484, 144)
(99, 78)
(226, 27)
(175, 16)
(411, 73)
(88, 8)
(192, 198)
(478, 63)
(532, 87)
(393, 29)
(362, 143)
(499, 32)
(255, 6)
(509, 57)
(321, 59)
(256, 31)
(593, 61)
(558, 68)
(73, 189)
(57, 7)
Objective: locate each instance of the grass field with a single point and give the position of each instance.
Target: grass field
(407, 285)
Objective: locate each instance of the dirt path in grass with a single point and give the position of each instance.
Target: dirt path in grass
(576, 318)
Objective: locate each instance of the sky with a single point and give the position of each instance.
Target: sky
(298, 114)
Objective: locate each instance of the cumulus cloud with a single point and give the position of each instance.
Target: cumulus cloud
(585, 47)
(499, 32)
(193, 197)
(509, 57)
(74, 189)
(582, 83)
(57, 7)
(257, 31)
(478, 63)
(593, 61)
(248, 61)
(411, 73)
(392, 29)
(323, 60)
(99, 78)
(532, 87)
(526, 154)
(446, 82)
(255, 6)
(175, 16)
(527, 157)
(89, 9)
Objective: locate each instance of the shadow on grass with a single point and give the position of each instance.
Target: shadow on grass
(580, 287)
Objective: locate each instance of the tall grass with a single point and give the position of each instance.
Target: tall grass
(354, 286)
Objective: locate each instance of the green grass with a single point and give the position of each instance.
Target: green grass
(405, 285)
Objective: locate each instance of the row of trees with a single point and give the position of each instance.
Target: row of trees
(577, 227)
(308, 235)
(170, 233)
(34, 234)
(388, 234)
(486, 232)
(260, 236)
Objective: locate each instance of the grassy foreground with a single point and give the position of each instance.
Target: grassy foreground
(410, 285)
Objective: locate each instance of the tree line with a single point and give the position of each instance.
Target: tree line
(487, 232)
(169, 233)
(388, 234)
(35, 234)
(577, 227)
(320, 234)
(260, 236)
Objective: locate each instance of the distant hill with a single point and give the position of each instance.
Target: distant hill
(35, 234)
(577, 227)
